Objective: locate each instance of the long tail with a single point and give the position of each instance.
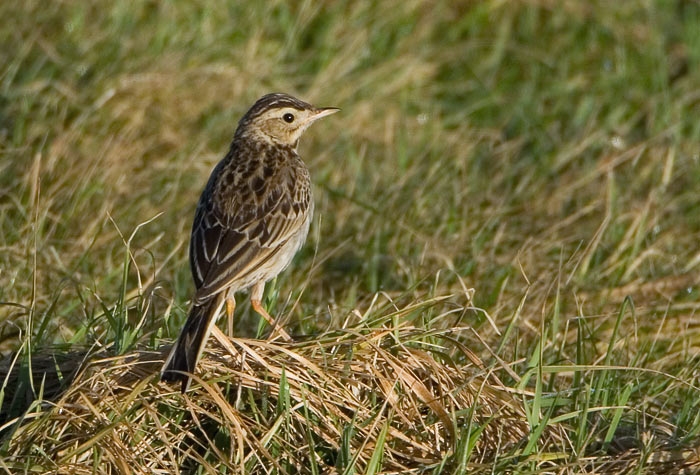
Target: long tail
(186, 351)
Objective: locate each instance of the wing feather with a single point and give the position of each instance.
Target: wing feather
(228, 249)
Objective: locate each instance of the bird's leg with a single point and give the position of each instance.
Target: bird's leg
(256, 294)
(230, 307)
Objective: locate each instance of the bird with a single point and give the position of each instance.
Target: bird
(251, 219)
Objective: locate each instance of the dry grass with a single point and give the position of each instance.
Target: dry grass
(357, 393)
(354, 400)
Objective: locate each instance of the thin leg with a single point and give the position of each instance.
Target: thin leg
(230, 307)
(256, 294)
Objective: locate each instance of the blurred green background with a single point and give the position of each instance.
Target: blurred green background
(544, 153)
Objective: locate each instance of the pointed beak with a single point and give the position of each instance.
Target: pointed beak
(323, 112)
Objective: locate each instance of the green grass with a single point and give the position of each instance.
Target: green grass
(544, 154)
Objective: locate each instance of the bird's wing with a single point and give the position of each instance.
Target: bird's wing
(232, 241)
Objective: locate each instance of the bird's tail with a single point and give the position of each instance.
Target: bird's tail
(189, 345)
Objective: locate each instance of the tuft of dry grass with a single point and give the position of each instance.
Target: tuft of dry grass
(340, 401)
(359, 398)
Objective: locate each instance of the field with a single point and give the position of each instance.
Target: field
(502, 274)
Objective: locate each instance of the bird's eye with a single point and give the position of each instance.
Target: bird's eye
(288, 118)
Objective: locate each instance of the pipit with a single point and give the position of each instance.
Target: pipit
(252, 217)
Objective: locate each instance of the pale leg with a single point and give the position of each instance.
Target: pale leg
(256, 294)
(230, 307)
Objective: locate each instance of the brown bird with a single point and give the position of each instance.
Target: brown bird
(252, 217)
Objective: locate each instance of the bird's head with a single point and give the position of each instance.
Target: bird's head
(280, 119)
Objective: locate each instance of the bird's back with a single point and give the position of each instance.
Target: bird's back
(256, 205)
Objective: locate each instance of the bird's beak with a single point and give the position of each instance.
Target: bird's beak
(323, 112)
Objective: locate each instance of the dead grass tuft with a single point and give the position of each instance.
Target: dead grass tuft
(351, 394)
(346, 399)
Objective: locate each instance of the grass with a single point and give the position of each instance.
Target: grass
(501, 274)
